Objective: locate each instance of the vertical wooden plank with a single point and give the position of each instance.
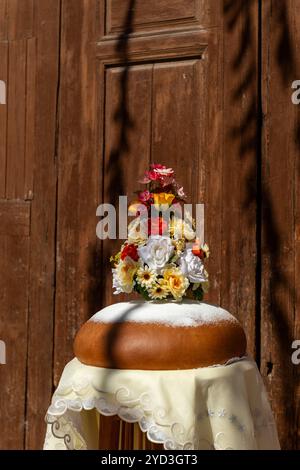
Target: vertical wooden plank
(280, 67)
(296, 335)
(43, 222)
(3, 118)
(127, 436)
(186, 136)
(16, 120)
(211, 163)
(109, 432)
(79, 179)
(239, 252)
(20, 18)
(14, 275)
(30, 118)
(3, 20)
(173, 139)
(127, 147)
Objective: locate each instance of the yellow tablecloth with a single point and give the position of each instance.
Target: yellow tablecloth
(222, 407)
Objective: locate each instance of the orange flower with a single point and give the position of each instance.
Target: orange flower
(163, 199)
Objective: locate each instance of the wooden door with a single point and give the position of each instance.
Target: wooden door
(29, 39)
(140, 84)
(98, 89)
(145, 83)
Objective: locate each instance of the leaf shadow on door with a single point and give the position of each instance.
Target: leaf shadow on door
(115, 165)
(269, 240)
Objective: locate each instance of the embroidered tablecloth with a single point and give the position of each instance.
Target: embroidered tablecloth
(222, 407)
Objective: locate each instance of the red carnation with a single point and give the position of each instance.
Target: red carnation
(131, 251)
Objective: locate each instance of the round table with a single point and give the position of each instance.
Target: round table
(220, 407)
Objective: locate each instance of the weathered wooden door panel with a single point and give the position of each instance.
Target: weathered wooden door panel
(14, 301)
(29, 36)
(280, 315)
(147, 100)
(157, 120)
(142, 81)
(160, 14)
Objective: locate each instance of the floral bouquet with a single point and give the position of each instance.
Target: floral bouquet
(161, 258)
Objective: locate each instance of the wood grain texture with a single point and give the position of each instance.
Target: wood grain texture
(280, 202)
(31, 84)
(127, 127)
(77, 279)
(179, 83)
(16, 104)
(3, 20)
(296, 333)
(175, 93)
(20, 17)
(210, 174)
(3, 118)
(109, 432)
(43, 62)
(15, 218)
(239, 175)
(160, 14)
(17, 70)
(149, 14)
(14, 285)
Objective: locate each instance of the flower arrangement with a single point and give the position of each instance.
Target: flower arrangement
(161, 258)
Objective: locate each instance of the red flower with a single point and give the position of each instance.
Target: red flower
(152, 175)
(145, 196)
(157, 226)
(131, 251)
(157, 166)
(197, 251)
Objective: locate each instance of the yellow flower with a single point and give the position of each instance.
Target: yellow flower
(179, 229)
(115, 259)
(205, 249)
(125, 272)
(163, 199)
(179, 245)
(177, 282)
(136, 208)
(138, 231)
(159, 291)
(146, 277)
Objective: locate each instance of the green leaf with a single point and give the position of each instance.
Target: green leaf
(198, 294)
(142, 291)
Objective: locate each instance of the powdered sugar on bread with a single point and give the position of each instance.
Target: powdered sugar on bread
(188, 313)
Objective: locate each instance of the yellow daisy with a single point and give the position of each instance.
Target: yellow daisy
(146, 277)
(159, 291)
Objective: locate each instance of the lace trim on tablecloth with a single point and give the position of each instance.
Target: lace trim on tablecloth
(139, 410)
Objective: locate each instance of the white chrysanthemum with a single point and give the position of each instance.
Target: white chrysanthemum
(146, 277)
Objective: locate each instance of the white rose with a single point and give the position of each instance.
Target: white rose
(192, 267)
(157, 252)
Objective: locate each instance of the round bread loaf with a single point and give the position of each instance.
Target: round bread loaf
(160, 336)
